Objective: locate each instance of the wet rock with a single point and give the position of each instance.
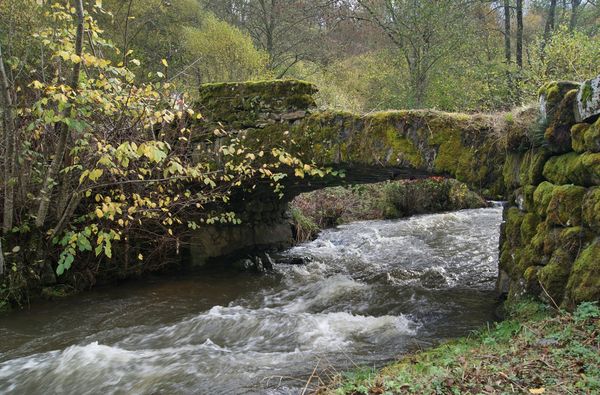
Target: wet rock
(433, 279)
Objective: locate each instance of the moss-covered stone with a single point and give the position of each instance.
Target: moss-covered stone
(513, 218)
(591, 209)
(564, 208)
(551, 95)
(247, 104)
(555, 274)
(542, 197)
(591, 137)
(558, 133)
(573, 239)
(523, 198)
(573, 168)
(511, 171)
(578, 137)
(584, 281)
(529, 227)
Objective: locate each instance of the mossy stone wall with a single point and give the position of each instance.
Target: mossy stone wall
(550, 243)
(282, 113)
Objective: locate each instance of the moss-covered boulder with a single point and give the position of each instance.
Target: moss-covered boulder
(588, 100)
(558, 133)
(572, 168)
(591, 209)
(525, 168)
(551, 95)
(529, 227)
(513, 218)
(591, 138)
(564, 208)
(555, 274)
(578, 137)
(542, 197)
(584, 281)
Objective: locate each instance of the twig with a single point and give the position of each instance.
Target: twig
(311, 377)
(550, 297)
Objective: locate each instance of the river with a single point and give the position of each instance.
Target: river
(369, 292)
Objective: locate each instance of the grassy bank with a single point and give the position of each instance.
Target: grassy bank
(535, 351)
(325, 208)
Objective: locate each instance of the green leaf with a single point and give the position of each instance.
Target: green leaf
(68, 261)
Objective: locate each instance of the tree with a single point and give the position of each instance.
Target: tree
(219, 51)
(423, 32)
(286, 29)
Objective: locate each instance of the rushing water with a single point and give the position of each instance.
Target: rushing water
(370, 292)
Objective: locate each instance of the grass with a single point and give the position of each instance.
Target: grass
(535, 351)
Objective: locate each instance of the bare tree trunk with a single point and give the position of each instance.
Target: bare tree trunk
(574, 10)
(61, 129)
(9, 149)
(520, 34)
(549, 24)
(507, 43)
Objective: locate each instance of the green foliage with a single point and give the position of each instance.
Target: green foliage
(127, 168)
(570, 55)
(221, 52)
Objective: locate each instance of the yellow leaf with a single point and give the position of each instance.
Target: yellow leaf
(75, 58)
(164, 62)
(99, 213)
(140, 257)
(95, 174)
(537, 390)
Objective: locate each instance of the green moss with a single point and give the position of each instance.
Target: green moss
(586, 92)
(539, 239)
(578, 137)
(573, 239)
(542, 197)
(573, 168)
(553, 93)
(564, 208)
(584, 281)
(512, 170)
(591, 137)
(558, 133)
(513, 219)
(529, 227)
(555, 274)
(591, 209)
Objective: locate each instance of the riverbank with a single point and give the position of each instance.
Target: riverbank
(535, 351)
(330, 207)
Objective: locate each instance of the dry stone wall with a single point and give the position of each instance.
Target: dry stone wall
(550, 243)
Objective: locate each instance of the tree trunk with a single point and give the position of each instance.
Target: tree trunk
(61, 129)
(1, 260)
(549, 23)
(9, 149)
(520, 34)
(574, 10)
(507, 44)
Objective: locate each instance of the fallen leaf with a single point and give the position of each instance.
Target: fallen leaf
(537, 390)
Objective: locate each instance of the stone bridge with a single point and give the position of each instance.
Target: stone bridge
(545, 161)
(368, 147)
